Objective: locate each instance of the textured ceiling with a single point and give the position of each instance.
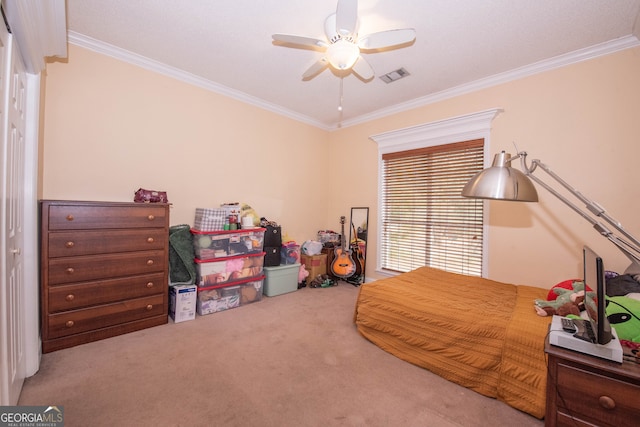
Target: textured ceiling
(460, 44)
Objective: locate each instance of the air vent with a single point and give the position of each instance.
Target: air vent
(394, 75)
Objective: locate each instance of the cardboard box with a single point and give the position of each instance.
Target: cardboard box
(281, 279)
(315, 265)
(182, 302)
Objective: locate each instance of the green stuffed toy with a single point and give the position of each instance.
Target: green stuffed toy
(569, 302)
(623, 314)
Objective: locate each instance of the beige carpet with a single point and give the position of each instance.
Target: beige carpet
(290, 360)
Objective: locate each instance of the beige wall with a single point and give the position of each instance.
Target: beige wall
(582, 120)
(111, 128)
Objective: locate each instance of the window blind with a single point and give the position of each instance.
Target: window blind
(424, 219)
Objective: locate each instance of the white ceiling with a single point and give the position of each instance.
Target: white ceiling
(461, 45)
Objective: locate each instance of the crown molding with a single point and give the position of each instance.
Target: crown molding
(580, 55)
(508, 76)
(178, 74)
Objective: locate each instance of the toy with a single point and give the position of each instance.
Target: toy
(623, 313)
(568, 302)
(322, 281)
(248, 211)
(303, 273)
(567, 284)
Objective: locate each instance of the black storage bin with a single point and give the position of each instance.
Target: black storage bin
(272, 256)
(273, 237)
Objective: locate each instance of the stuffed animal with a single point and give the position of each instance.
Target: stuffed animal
(554, 292)
(246, 210)
(623, 313)
(303, 273)
(567, 302)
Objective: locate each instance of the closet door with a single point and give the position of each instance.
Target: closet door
(12, 289)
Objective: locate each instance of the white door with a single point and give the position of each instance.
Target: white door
(12, 291)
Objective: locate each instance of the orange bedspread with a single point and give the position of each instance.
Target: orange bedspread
(479, 333)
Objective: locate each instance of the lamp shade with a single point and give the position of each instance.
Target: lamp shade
(501, 182)
(343, 54)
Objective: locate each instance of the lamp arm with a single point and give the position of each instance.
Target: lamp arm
(630, 248)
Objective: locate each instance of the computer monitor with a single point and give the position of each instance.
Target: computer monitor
(595, 301)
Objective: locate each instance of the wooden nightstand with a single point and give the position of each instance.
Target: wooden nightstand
(584, 390)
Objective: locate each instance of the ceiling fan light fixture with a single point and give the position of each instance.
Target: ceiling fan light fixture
(343, 54)
(342, 46)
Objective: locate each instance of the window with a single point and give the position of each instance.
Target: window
(424, 219)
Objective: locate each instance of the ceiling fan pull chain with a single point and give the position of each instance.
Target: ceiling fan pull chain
(341, 94)
(340, 103)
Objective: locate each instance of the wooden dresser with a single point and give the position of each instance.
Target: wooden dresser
(104, 270)
(584, 390)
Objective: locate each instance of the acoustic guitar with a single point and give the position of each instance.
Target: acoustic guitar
(357, 256)
(342, 265)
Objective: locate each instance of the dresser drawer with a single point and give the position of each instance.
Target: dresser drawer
(592, 397)
(93, 318)
(72, 243)
(94, 267)
(70, 297)
(80, 216)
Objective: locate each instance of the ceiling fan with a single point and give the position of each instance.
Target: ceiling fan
(343, 46)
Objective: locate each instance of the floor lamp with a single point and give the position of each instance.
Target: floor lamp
(502, 182)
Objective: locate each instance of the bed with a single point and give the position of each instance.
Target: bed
(481, 334)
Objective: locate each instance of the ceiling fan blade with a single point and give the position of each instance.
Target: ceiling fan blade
(346, 17)
(363, 69)
(300, 41)
(385, 39)
(316, 68)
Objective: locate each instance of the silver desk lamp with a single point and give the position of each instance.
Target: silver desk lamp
(502, 182)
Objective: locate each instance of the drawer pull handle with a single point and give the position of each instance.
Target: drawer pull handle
(69, 323)
(150, 240)
(69, 244)
(151, 217)
(150, 285)
(149, 262)
(149, 307)
(70, 270)
(70, 217)
(606, 402)
(70, 297)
